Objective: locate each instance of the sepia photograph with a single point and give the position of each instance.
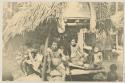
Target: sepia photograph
(63, 41)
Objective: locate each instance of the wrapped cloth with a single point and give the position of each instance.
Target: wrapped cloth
(57, 74)
(56, 69)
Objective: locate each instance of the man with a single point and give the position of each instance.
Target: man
(76, 56)
(34, 61)
(56, 69)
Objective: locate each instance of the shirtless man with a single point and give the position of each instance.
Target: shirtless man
(56, 69)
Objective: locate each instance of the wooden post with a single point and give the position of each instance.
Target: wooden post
(80, 39)
(45, 61)
(116, 10)
(45, 56)
(117, 40)
(92, 18)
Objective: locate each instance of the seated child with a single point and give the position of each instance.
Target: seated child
(114, 55)
(112, 74)
(97, 57)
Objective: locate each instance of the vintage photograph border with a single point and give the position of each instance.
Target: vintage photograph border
(1, 43)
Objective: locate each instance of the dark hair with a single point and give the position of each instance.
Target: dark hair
(113, 67)
(74, 39)
(55, 42)
(34, 52)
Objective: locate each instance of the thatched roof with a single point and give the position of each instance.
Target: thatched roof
(30, 17)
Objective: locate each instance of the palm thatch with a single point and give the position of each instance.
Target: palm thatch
(30, 17)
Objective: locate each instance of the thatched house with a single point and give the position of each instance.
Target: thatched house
(34, 24)
(28, 27)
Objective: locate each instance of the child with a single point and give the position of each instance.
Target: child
(114, 55)
(112, 74)
(97, 57)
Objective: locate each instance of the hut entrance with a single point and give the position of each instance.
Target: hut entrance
(79, 28)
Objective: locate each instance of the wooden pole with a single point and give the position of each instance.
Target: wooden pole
(116, 10)
(45, 61)
(45, 56)
(92, 18)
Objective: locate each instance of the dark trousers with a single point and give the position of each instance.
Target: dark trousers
(28, 69)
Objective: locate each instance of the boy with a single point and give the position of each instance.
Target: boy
(114, 55)
(112, 74)
(97, 57)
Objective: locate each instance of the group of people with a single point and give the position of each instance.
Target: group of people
(58, 62)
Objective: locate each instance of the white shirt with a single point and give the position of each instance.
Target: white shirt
(98, 57)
